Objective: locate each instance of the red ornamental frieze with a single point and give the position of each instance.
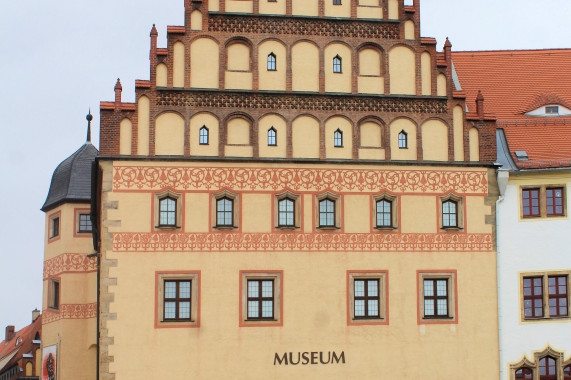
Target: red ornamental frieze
(300, 242)
(300, 179)
(70, 311)
(69, 263)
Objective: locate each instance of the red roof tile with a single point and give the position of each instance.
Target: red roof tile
(515, 82)
(27, 335)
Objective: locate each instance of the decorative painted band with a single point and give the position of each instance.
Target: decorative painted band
(153, 178)
(69, 311)
(69, 263)
(300, 242)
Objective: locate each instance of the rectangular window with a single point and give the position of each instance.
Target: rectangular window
(327, 213)
(177, 299)
(554, 201)
(530, 200)
(225, 212)
(261, 298)
(85, 223)
(54, 294)
(558, 296)
(336, 2)
(552, 110)
(437, 297)
(286, 216)
(367, 295)
(533, 297)
(54, 227)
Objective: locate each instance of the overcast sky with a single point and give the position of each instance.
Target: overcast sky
(60, 57)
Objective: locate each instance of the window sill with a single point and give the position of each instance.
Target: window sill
(53, 308)
(436, 319)
(403, 148)
(225, 228)
(167, 228)
(328, 228)
(385, 228)
(287, 228)
(451, 229)
(546, 319)
(177, 321)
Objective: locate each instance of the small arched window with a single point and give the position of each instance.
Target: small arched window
(286, 209)
(167, 212)
(547, 368)
(224, 212)
(272, 62)
(272, 137)
(337, 65)
(524, 374)
(384, 213)
(204, 135)
(338, 139)
(449, 214)
(403, 140)
(327, 213)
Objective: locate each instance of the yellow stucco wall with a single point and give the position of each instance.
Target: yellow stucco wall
(305, 66)
(409, 30)
(279, 124)
(458, 118)
(169, 135)
(238, 80)
(435, 141)
(341, 10)
(277, 7)
(162, 75)
(196, 20)
(426, 72)
(125, 136)
(305, 137)
(402, 70)
(238, 132)
(178, 65)
(143, 121)
(474, 145)
(338, 82)
(211, 122)
(239, 6)
(370, 80)
(393, 9)
(369, 9)
(304, 8)
(204, 63)
(441, 85)
(238, 57)
(345, 126)
(272, 80)
(395, 128)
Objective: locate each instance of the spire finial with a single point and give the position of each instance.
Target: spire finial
(89, 118)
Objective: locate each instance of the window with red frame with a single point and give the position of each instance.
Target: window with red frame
(554, 201)
(558, 306)
(547, 369)
(524, 374)
(533, 297)
(530, 198)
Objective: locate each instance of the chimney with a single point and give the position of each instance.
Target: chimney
(480, 105)
(35, 315)
(10, 332)
(118, 90)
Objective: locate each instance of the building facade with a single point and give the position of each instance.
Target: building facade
(297, 192)
(20, 351)
(534, 119)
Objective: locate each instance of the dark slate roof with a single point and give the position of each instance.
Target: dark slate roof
(71, 180)
(504, 156)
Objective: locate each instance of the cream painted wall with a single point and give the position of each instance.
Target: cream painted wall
(204, 63)
(304, 8)
(125, 137)
(211, 122)
(426, 73)
(412, 207)
(338, 82)
(342, 10)
(197, 204)
(238, 132)
(435, 141)
(279, 124)
(196, 20)
(162, 75)
(213, 6)
(277, 7)
(393, 9)
(369, 9)
(371, 135)
(402, 67)
(403, 154)
(458, 118)
(305, 66)
(332, 125)
(169, 135)
(474, 145)
(305, 137)
(143, 121)
(261, 220)
(409, 30)
(238, 57)
(476, 221)
(357, 208)
(239, 6)
(238, 80)
(178, 65)
(441, 85)
(370, 80)
(272, 80)
(131, 221)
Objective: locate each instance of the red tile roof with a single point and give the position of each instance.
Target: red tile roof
(26, 346)
(515, 82)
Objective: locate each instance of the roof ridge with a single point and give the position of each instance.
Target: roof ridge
(559, 50)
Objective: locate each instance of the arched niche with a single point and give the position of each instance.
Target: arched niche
(278, 123)
(169, 135)
(204, 63)
(402, 68)
(435, 140)
(305, 66)
(305, 137)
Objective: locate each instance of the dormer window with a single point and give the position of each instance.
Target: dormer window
(552, 110)
(521, 155)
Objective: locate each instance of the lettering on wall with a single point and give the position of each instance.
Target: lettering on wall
(309, 358)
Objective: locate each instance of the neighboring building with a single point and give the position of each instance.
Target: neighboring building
(530, 93)
(297, 192)
(20, 351)
(70, 279)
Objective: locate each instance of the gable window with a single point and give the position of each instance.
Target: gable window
(85, 223)
(225, 212)
(337, 67)
(327, 213)
(203, 135)
(271, 62)
(338, 139)
(530, 199)
(524, 374)
(272, 137)
(286, 216)
(177, 300)
(261, 298)
(449, 214)
(167, 212)
(554, 201)
(547, 368)
(552, 110)
(403, 140)
(437, 296)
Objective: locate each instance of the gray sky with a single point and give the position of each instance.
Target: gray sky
(61, 57)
